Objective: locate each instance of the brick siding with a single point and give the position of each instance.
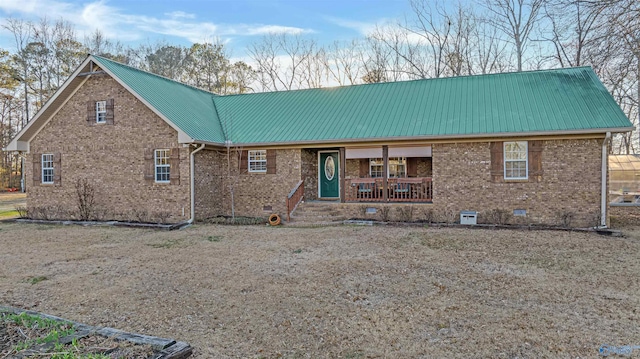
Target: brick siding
(255, 194)
(110, 157)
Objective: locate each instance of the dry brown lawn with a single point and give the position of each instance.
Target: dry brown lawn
(339, 292)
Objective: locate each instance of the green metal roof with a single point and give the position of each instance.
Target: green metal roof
(189, 108)
(550, 101)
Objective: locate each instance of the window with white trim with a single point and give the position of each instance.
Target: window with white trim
(376, 167)
(47, 168)
(397, 167)
(162, 166)
(101, 111)
(257, 161)
(516, 160)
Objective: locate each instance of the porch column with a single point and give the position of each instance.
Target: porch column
(342, 164)
(385, 173)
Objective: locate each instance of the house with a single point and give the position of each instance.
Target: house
(533, 144)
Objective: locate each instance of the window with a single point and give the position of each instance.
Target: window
(47, 168)
(257, 161)
(397, 167)
(376, 167)
(101, 112)
(515, 160)
(162, 166)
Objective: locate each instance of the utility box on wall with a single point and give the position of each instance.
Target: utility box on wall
(468, 217)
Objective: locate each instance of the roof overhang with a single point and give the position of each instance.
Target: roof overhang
(593, 132)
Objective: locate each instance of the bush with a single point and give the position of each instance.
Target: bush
(499, 216)
(384, 213)
(428, 215)
(566, 218)
(22, 211)
(449, 216)
(405, 213)
(85, 195)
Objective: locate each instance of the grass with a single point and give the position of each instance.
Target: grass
(50, 331)
(36, 280)
(341, 291)
(31, 332)
(9, 214)
(214, 238)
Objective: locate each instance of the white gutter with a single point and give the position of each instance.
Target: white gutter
(193, 182)
(603, 193)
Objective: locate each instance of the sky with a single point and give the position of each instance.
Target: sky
(236, 22)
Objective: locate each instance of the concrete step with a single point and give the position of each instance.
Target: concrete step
(317, 212)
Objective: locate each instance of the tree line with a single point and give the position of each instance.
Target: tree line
(435, 39)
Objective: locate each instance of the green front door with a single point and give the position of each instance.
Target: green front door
(329, 175)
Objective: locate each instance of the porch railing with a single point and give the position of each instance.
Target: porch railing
(293, 199)
(418, 189)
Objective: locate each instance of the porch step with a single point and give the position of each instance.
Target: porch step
(318, 212)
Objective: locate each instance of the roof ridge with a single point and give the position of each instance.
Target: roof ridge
(153, 74)
(407, 81)
(223, 128)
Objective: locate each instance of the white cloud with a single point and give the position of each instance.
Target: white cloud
(180, 15)
(364, 28)
(116, 24)
(275, 29)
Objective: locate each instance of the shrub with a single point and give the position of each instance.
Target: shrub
(449, 216)
(162, 216)
(85, 195)
(499, 216)
(384, 213)
(566, 218)
(405, 213)
(428, 215)
(22, 211)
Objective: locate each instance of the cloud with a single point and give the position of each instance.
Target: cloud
(180, 15)
(362, 27)
(275, 29)
(114, 23)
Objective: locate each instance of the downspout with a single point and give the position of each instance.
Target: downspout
(192, 162)
(603, 194)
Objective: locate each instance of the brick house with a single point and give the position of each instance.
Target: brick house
(533, 144)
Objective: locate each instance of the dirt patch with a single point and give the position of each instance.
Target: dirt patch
(234, 291)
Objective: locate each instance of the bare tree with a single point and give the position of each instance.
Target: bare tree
(576, 29)
(516, 19)
(342, 63)
(282, 61)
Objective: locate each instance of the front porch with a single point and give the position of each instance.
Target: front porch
(381, 174)
(410, 189)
